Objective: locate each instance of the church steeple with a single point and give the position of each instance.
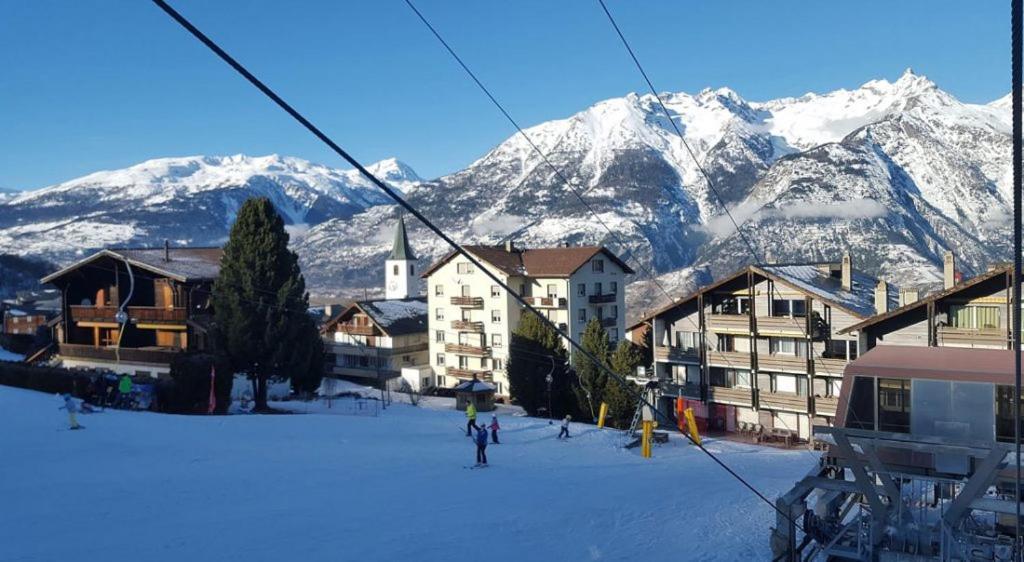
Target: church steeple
(400, 269)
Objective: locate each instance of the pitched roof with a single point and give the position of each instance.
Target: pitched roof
(394, 317)
(942, 363)
(474, 386)
(400, 249)
(535, 262)
(185, 264)
(996, 272)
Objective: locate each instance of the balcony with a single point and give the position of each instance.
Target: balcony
(601, 299)
(782, 326)
(347, 348)
(461, 373)
(826, 405)
(467, 326)
(973, 337)
(729, 359)
(672, 389)
(681, 354)
(729, 323)
(829, 366)
(471, 350)
(734, 396)
(546, 302)
(362, 372)
(782, 363)
(136, 314)
(357, 330)
(782, 401)
(159, 355)
(468, 302)
(609, 322)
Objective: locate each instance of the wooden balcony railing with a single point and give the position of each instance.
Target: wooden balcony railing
(829, 366)
(671, 353)
(357, 330)
(603, 298)
(467, 326)
(729, 323)
(783, 363)
(468, 302)
(136, 314)
(81, 313)
(736, 396)
(461, 373)
(782, 401)
(826, 405)
(782, 325)
(130, 354)
(471, 350)
(546, 302)
(672, 388)
(729, 359)
(969, 337)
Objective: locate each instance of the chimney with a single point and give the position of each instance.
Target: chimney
(508, 246)
(167, 250)
(908, 296)
(847, 272)
(881, 297)
(948, 270)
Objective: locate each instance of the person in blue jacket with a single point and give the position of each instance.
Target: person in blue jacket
(481, 445)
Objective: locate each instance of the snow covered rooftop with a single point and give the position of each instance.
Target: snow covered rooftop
(815, 279)
(474, 386)
(397, 317)
(183, 264)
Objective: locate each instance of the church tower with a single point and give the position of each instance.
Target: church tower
(400, 267)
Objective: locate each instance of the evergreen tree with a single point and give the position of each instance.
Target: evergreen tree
(260, 302)
(535, 351)
(621, 401)
(592, 379)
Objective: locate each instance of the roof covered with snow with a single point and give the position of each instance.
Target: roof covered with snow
(816, 279)
(474, 386)
(397, 317)
(183, 264)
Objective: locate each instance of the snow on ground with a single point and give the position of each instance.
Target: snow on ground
(10, 355)
(319, 486)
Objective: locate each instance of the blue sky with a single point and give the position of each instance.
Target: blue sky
(86, 86)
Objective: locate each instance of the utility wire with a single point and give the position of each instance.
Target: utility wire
(668, 115)
(394, 195)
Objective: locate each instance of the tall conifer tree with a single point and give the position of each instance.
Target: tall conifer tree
(592, 379)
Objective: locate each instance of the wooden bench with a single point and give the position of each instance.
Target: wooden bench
(780, 434)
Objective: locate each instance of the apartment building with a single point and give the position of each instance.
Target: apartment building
(377, 340)
(764, 345)
(471, 319)
(975, 313)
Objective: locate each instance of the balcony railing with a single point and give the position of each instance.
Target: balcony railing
(161, 355)
(609, 322)
(603, 298)
(829, 366)
(729, 359)
(826, 405)
(472, 350)
(671, 388)
(467, 326)
(468, 302)
(783, 363)
(364, 372)
(971, 337)
(729, 323)
(546, 302)
(782, 401)
(736, 396)
(461, 373)
(357, 329)
(671, 353)
(782, 325)
(136, 314)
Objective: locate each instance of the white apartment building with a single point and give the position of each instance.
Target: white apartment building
(471, 319)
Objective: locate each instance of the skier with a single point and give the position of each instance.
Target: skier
(564, 432)
(71, 407)
(470, 419)
(481, 446)
(494, 427)
(124, 388)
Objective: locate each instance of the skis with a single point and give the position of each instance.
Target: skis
(476, 466)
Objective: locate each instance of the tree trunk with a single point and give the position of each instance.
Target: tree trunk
(261, 393)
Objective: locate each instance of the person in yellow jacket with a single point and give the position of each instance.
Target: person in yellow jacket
(470, 419)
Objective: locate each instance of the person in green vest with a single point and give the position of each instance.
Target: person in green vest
(470, 418)
(124, 389)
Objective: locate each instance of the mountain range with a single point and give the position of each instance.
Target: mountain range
(893, 172)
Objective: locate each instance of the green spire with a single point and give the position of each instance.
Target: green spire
(401, 250)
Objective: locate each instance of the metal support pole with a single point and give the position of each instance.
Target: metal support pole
(1017, 39)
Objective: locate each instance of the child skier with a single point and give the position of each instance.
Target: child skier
(470, 419)
(565, 427)
(481, 446)
(71, 406)
(124, 388)
(494, 427)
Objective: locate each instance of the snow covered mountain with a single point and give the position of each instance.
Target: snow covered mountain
(190, 200)
(893, 172)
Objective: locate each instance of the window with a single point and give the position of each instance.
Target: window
(974, 317)
(411, 271)
(496, 340)
(686, 340)
(439, 360)
(615, 288)
(495, 291)
(726, 342)
(798, 308)
(466, 291)
(597, 289)
(730, 378)
(439, 314)
(438, 290)
(522, 290)
(463, 362)
(499, 364)
(780, 307)
(439, 336)
(394, 269)
(581, 289)
(615, 311)
(894, 405)
(597, 266)
(464, 268)
(600, 312)
(861, 413)
(467, 315)
(583, 316)
(440, 380)
(782, 346)
(613, 335)
(496, 316)
(552, 291)
(1004, 414)
(425, 382)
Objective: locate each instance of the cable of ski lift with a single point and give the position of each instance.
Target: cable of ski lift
(122, 314)
(395, 196)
